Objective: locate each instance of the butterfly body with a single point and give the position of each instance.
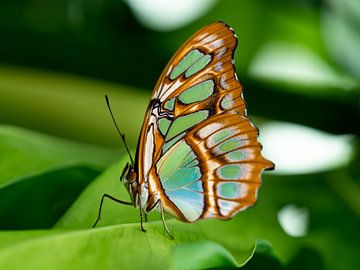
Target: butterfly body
(198, 155)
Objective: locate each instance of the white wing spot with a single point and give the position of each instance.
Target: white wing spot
(210, 38)
(202, 36)
(223, 83)
(169, 90)
(221, 52)
(218, 66)
(227, 206)
(207, 130)
(216, 44)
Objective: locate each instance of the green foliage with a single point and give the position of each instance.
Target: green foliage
(72, 243)
(50, 188)
(41, 176)
(39, 153)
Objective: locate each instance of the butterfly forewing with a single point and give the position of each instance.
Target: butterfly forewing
(198, 152)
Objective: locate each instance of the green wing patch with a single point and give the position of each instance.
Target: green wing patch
(193, 62)
(197, 92)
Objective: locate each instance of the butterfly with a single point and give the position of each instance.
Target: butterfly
(198, 156)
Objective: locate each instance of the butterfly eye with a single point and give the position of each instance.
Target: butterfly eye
(131, 175)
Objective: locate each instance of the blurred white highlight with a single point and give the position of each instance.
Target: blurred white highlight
(166, 15)
(297, 149)
(294, 63)
(294, 220)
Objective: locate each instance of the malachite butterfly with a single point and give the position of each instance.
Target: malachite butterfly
(198, 155)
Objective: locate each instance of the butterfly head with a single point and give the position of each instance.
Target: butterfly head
(129, 179)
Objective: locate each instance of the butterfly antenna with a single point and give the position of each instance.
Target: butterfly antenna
(122, 135)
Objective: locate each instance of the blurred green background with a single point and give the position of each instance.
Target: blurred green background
(299, 63)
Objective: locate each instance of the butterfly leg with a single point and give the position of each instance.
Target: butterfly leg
(141, 220)
(163, 220)
(145, 218)
(101, 204)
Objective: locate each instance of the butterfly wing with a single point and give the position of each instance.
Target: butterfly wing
(198, 152)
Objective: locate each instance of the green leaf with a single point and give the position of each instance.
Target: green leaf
(10, 238)
(38, 201)
(40, 176)
(83, 213)
(112, 247)
(26, 153)
(92, 249)
(100, 248)
(206, 254)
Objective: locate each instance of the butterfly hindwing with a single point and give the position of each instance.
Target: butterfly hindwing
(215, 170)
(181, 178)
(231, 162)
